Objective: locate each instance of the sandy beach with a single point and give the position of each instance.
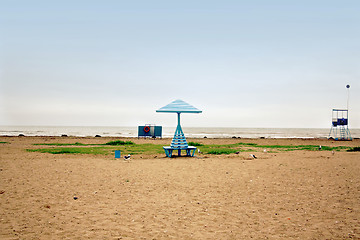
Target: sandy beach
(280, 195)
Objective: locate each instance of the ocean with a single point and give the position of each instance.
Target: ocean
(168, 132)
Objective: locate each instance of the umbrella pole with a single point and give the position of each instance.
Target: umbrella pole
(179, 131)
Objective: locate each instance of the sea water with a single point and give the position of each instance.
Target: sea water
(168, 132)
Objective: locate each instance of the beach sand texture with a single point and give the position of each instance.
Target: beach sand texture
(282, 195)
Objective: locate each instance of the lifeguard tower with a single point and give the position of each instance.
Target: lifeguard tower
(339, 128)
(340, 122)
(179, 141)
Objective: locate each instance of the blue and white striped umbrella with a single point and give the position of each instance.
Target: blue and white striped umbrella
(179, 106)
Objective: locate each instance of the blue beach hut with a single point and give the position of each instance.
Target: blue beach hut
(179, 141)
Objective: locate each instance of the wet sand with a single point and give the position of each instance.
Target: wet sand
(282, 195)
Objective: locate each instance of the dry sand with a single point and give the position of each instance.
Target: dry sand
(285, 195)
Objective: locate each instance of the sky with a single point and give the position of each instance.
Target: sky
(251, 64)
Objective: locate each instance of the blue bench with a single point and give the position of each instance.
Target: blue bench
(190, 150)
(179, 143)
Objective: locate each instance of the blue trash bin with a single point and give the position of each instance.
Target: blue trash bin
(117, 154)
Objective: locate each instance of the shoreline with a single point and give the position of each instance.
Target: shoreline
(70, 136)
(187, 138)
(190, 132)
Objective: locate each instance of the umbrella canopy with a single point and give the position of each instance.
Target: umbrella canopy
(179, 106)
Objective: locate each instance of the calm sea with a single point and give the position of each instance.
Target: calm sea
(190, 132)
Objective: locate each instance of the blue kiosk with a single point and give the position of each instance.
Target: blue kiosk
(179, 141)
(149, 130)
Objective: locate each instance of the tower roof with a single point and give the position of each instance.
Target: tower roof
(179, 106)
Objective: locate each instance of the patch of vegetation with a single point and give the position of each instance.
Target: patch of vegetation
(253, 147)
(128, 147)
(294, 147)
(354, 149)
(87, 150)
(105, 150)
(222, 151)
(195, 144)
(111, 143)
(147, 148)
(63, 144)
(247, 144)
(3, 142)
(119, 142)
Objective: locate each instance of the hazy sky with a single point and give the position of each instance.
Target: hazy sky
(258, 63)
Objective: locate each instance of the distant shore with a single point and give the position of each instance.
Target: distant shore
(168, 132)
(284, 140)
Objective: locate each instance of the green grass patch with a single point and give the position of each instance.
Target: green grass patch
(128, 147)
(111, 143)
(246, 144)
(294, 147)
(119, 142)
(195, 144)
(253, 147)
(3, 142)
(105, 150)
(220, 151)
(87, 150)
(147, 148)
(354, 149)
(63, 144)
